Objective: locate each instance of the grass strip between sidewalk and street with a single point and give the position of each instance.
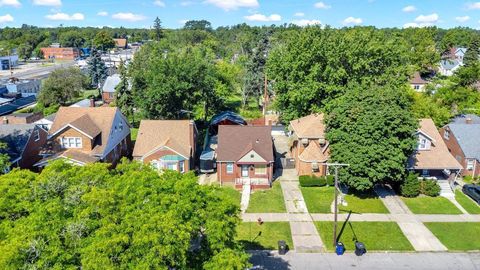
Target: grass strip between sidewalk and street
(468, 204)
(457, 236)
(254, 236)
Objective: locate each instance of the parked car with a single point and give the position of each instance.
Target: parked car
(473, 191)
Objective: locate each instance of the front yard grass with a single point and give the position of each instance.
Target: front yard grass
(267, 201)
(230, 195)
(377, 236)
(319, 200)
(457, 236)
(253, 236)
(431, 205)
(468, 204)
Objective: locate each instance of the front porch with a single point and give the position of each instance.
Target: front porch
(254, 183)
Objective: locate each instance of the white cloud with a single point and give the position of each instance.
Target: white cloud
(352, 20)
(186, 3)
(299, 14)
(473, 5)
(462, 19)
(305, 22)
(130, 17)
(427, 19)
(102, 13)
(159, 3)
(65, 17)
(233, 4)
(322, 5)
(54, 3)
(12, 3)
(409, 9)
(263, 18)
(6, 18)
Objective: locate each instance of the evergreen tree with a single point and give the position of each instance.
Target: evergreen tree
(123, 93)
(97, 70)
(473, 52)
(254, 79)
(157, 26)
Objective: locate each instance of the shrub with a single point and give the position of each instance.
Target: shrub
(330, 179)
(429, 187)
(312, 181)
(411, 186)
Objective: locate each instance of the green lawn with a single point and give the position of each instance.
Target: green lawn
(364, 203)
(431, 205)
(133, 134)
(91, 92)
(230, 194)
(266, 236)
(457, 236)
(319, 200)
(267, 201)
(376, 236)
(467, 203)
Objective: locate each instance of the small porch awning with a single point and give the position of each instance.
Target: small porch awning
(172, 158)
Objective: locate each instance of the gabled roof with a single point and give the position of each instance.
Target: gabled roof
(437, 157)
(155, 134)
(310, 126)
(468, 137)
(463, 118)
(417, 79)
(110, 83)
(236, 141)
(91, 120)
(314, 153)
(16, 137)
(448, 64)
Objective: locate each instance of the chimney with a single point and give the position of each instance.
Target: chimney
(92, 102)
(5, 120)
(468, 120)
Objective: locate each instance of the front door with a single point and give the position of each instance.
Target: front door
(244, 170)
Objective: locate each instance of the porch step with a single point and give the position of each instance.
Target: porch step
(246, 190)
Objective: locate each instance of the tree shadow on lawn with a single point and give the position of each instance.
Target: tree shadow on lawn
(265, 260)
(367, 194)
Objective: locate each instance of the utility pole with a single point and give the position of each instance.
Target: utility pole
(336, 166)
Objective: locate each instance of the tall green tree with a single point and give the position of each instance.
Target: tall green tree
(123, 93)
(372, 128)
(71, 217)
(472, 56)
(4, 158)
(103, 40)
(97, 70)
(157, 28)
(62, 86)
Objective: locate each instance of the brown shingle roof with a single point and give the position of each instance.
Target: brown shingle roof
(120, 42)
(235, 141)
(101, 117)
(438, 157)
(310, 126)
(175, 134)
(417, 79)
(86, 125)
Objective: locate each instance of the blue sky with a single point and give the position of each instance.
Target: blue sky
(173, 13)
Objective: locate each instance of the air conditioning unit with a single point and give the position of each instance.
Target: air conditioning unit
(322, 141)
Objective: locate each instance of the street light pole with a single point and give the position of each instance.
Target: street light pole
(336, 166)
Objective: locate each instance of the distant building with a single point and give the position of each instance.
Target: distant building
(25, 88)
(448, 66)
(60, 53)
(21, 118)
(418, 83)
(108, 88)
(120, 43)
(84, 103)
(8, 61)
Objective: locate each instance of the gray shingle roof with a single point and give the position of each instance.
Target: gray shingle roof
(468, 137)
(16, 137)
(110, 83)
(461, 119)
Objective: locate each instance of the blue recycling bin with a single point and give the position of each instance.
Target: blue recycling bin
(339, 248)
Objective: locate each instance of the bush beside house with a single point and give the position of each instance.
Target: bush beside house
(413, 186)
(316, 181)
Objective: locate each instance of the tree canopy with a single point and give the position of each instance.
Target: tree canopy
(62, 86)
(71, 217)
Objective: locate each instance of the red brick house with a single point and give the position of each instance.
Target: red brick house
(432, 158)
(60, 53)
(86, 135)
(24, 143)
(308, 145)
(245, 156)
(167, 144)
(462, 138)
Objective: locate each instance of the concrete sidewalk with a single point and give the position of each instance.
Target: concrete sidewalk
(305, 236)
(416, 232)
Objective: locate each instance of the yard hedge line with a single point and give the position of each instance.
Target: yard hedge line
(316, 181)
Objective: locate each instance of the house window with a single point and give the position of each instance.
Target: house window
(260, 169)
(230, 167)
(36, 135)
(422, 144)
(120, 126)
(416, 87)
(446, 135)
(424, 172)
(71, 142)
(470, 164)
(181, 164)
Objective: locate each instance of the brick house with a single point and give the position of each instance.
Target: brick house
(60, 53)
(86, 135)
(167, 144)
(21, 118)
(308, 145)
(245, 156)
(432, 158)
(24, 143)
(462, 138)
(108, 88)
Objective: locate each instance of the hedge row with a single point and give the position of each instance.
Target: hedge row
(412, 187)
(316, 181)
